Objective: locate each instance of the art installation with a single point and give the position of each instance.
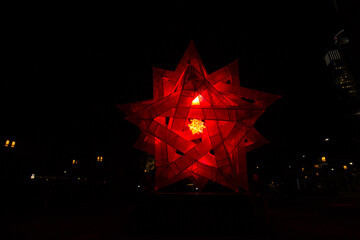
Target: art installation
(199, 126)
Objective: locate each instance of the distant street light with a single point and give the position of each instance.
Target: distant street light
(7, 143)
(345, 167)
(350, 163)
(327, 139)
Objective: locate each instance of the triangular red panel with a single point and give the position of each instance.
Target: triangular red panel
(215, 149)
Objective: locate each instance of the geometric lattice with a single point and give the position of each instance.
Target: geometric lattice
(198, 125)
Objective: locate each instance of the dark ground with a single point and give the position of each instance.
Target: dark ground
(70, 215)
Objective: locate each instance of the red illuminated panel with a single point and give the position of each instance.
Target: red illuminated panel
(198, 125)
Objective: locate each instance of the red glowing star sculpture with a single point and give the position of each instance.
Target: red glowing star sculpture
(198, 125)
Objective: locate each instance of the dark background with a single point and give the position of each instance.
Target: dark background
(67, 64)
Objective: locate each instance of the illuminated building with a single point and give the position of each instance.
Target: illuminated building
(199, 126)
(343, 81)
(340, 59)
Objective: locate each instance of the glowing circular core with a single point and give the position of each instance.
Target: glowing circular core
(196, 126)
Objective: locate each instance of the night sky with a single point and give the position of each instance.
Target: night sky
(67, 66)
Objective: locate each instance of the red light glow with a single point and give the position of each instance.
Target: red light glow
(215, 152)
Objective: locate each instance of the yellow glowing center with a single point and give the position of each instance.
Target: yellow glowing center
(196, 101)
(196, 126)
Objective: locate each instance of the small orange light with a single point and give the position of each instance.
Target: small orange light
(345, 167)
(302, 169)
(13, 144)
(196, 126)
(7, 142)
(316, 166)
(323, 159)
(317, 174)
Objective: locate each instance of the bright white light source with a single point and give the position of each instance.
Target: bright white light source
(138, 186)
(196, 101)
(326, 139)
(32, 176)
(350, 163)
(64, 171)
(303, 156)
(196, 189)
(332, 169)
